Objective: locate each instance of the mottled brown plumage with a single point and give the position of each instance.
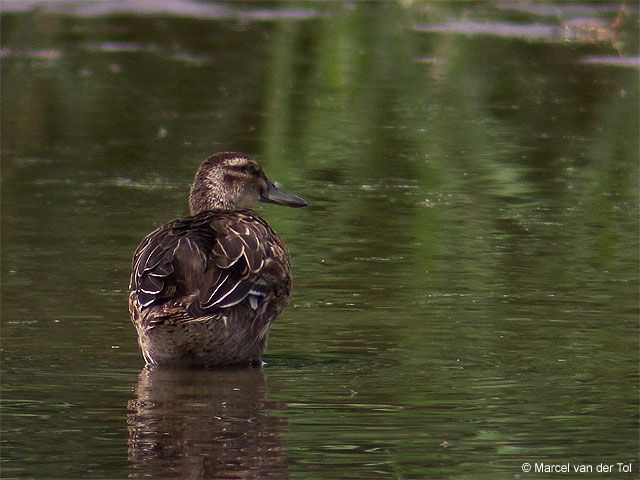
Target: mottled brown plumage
(205, 289)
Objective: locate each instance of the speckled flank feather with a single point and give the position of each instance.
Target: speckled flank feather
(205, 289)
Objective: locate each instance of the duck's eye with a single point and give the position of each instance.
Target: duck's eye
(251, 169)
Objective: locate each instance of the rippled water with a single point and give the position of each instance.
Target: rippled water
(465, 276)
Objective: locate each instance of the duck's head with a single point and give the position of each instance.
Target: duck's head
(235, 181)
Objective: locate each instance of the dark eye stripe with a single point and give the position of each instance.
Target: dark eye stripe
(249, 168)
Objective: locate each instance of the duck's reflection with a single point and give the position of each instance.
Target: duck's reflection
(203, 424)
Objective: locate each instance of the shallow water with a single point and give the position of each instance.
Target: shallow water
(465, 276)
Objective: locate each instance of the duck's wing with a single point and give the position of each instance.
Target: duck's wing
(208, 262)
(161, 261)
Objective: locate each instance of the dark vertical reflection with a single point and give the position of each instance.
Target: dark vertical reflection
(203, 424)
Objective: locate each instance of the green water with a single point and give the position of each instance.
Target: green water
(465, 276)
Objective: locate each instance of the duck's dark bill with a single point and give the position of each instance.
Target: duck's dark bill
(274, 195)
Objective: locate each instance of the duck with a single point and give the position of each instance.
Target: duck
(205, 289)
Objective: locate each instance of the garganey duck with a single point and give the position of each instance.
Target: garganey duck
(205, 289)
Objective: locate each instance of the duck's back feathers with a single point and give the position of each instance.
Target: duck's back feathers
(207, 263)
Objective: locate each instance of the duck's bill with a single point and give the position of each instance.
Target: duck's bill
(275, 195)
